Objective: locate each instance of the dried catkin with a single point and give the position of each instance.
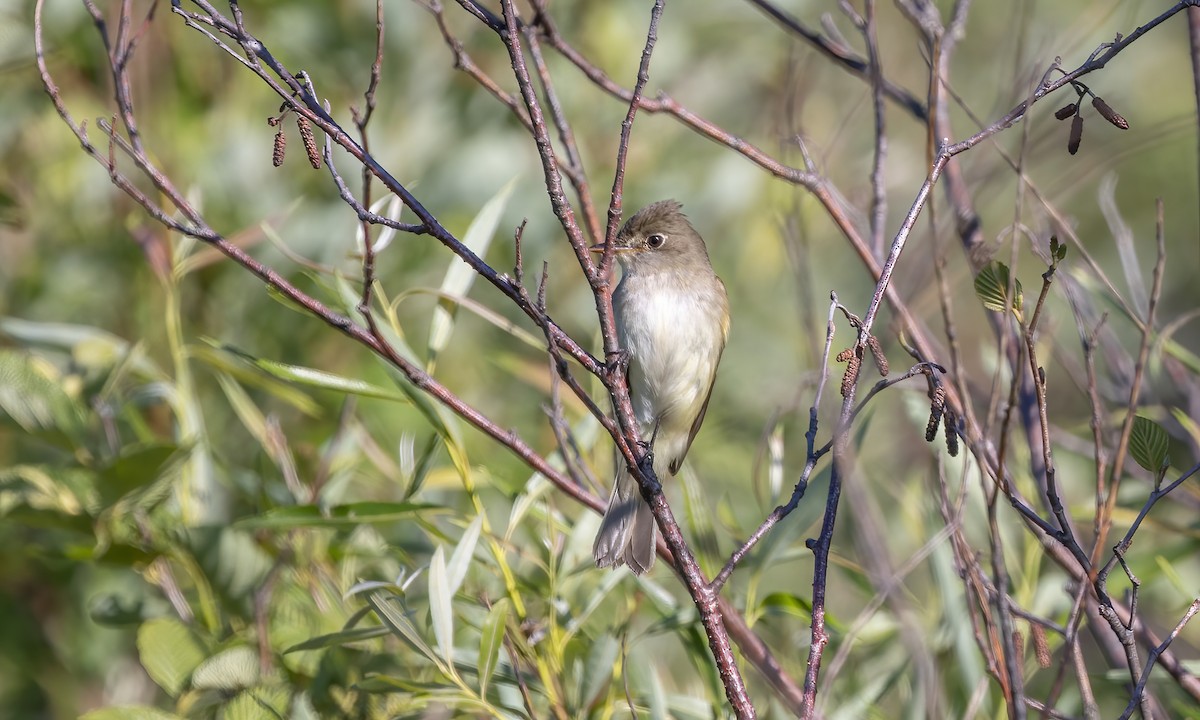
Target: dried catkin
(310, 142)
(1076, 134)
(881, 360)
(851, 375)
(280, 149)
(1109, 114)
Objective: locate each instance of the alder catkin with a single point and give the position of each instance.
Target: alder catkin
(310, 142)
(951, 428)
(1066, 111)
(1109, 114)
(936, 407)
(1041, 648)
(1076, 134)
(845, 355)
(881, 360)
(280, 148)
(851, 374)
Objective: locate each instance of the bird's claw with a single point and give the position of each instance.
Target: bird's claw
(617, 362)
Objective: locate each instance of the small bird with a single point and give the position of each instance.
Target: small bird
(672, 316)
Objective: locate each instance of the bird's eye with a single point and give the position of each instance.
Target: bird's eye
(656, 240)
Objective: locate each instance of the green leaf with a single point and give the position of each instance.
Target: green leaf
(337, 639)
(422, 465)
(695, 639)
(65, 490)
(129, 712)
(657, 693)
(788, 603)
(1058, 249)
(1189, 425)
(483, 312)
(492, 638)
(31, 393)
(230, 670)
(124, 555)
(1148, 444)
(442, 422)
(60, 335)
(246, 410)
(169, 652)
(598, 668)
(136, 468)
(460, 276)
(245, 372)
(387, 607)
(460, 560)
(313, 516)
(122, 609)
(316, 378)
(991, 285)
(698, 512)
(231, 560)
(441, 605)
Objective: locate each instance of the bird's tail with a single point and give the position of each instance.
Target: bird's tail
(627, 535)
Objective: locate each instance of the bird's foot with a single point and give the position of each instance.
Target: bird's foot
(617, 363)
(647, 447)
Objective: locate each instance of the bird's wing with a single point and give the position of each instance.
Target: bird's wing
(677, 462)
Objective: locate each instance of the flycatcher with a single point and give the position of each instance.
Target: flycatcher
(672, 318)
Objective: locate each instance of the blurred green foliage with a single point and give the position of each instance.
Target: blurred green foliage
(217, 506)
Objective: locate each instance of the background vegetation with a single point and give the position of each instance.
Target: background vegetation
(194, 519)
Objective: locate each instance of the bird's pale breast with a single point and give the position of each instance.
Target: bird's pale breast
(674, 337)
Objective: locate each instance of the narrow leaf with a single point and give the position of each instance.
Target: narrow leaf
(311, 516)
(247, 412)
(460, 276)
(394, 617)
(1124, 239)
(460, 559)
(1189, 425)
(337, 639)
(316, 378)
(700, 523)
(788, 603)
(441, 607)
(598, 668)
(490, 641)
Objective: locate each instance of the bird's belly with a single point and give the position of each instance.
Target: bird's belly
(674, 342)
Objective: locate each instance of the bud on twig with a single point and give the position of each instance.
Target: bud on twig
(280, 148)
(1108, 113)
(1076, 134)
(310, 143)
